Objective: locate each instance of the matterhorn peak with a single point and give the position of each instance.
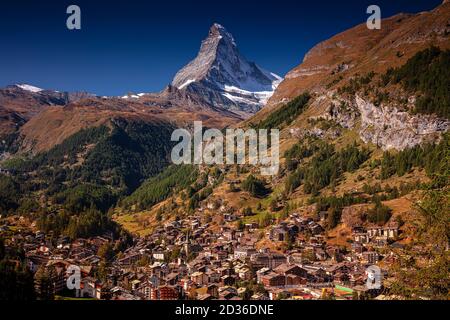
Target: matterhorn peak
(224, 77)
(219, 31)
(218, 27)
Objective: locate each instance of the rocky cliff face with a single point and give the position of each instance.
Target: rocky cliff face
(224, 78)
(385, 126)
(389, 128)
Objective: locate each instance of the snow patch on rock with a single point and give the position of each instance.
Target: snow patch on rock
(29, 88)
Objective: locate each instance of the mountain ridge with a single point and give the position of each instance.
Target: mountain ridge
(359, 50)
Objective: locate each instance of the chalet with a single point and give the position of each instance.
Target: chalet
(287, 269)
(295, 258)
(119, 293)
(202, 268)
(321, 254)
(126, 296)
(129, 259)
(244, 252)
(303, 221)
(260, 273)
(337, 268)
(279, 234)
(63, 240)
(159, 255)
(91, 288)
(268, 260)
(195, 247)
(221, 255)
(294, 280)
(380, 242)
(227, 293)
(195, 224)
(361, 237)
(317, 240)
(135, 284)
(335, 253)
(98, 241)
(374, 231)
(315, 228)
(370, 257)
(168, 240)
(213, 276)
(259, 296)
(284, 232)
(277, 293)
(245, 274)
(322, 215)
(172, 278)
(241, 291)
(91, 260)
(251, 226)
(316, 273)
(165, 293)
(213, 290)
(228, 280)
(358, 229)
(58, 277)
(144, 290)
(212, 205)
(388, 232)
(225, 209)
(223, 271)
(205, 297)
(35, 260)
(199, 278)
(229, 235)
(273, 279)
(397, 245)
(229, 217)
(357, 247)
(391, 231)
(158, 269)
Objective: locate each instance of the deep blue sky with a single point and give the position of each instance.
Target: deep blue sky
(139, 45)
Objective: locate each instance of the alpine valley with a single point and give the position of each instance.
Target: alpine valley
(364, 178)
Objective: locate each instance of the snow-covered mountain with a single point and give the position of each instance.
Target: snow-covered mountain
(29, 88)
(56, 97)
(224, 78)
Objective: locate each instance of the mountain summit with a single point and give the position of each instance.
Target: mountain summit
(224, 77)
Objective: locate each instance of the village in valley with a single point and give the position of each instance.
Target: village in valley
(190, 259)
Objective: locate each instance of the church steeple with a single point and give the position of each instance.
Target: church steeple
(186, 244)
